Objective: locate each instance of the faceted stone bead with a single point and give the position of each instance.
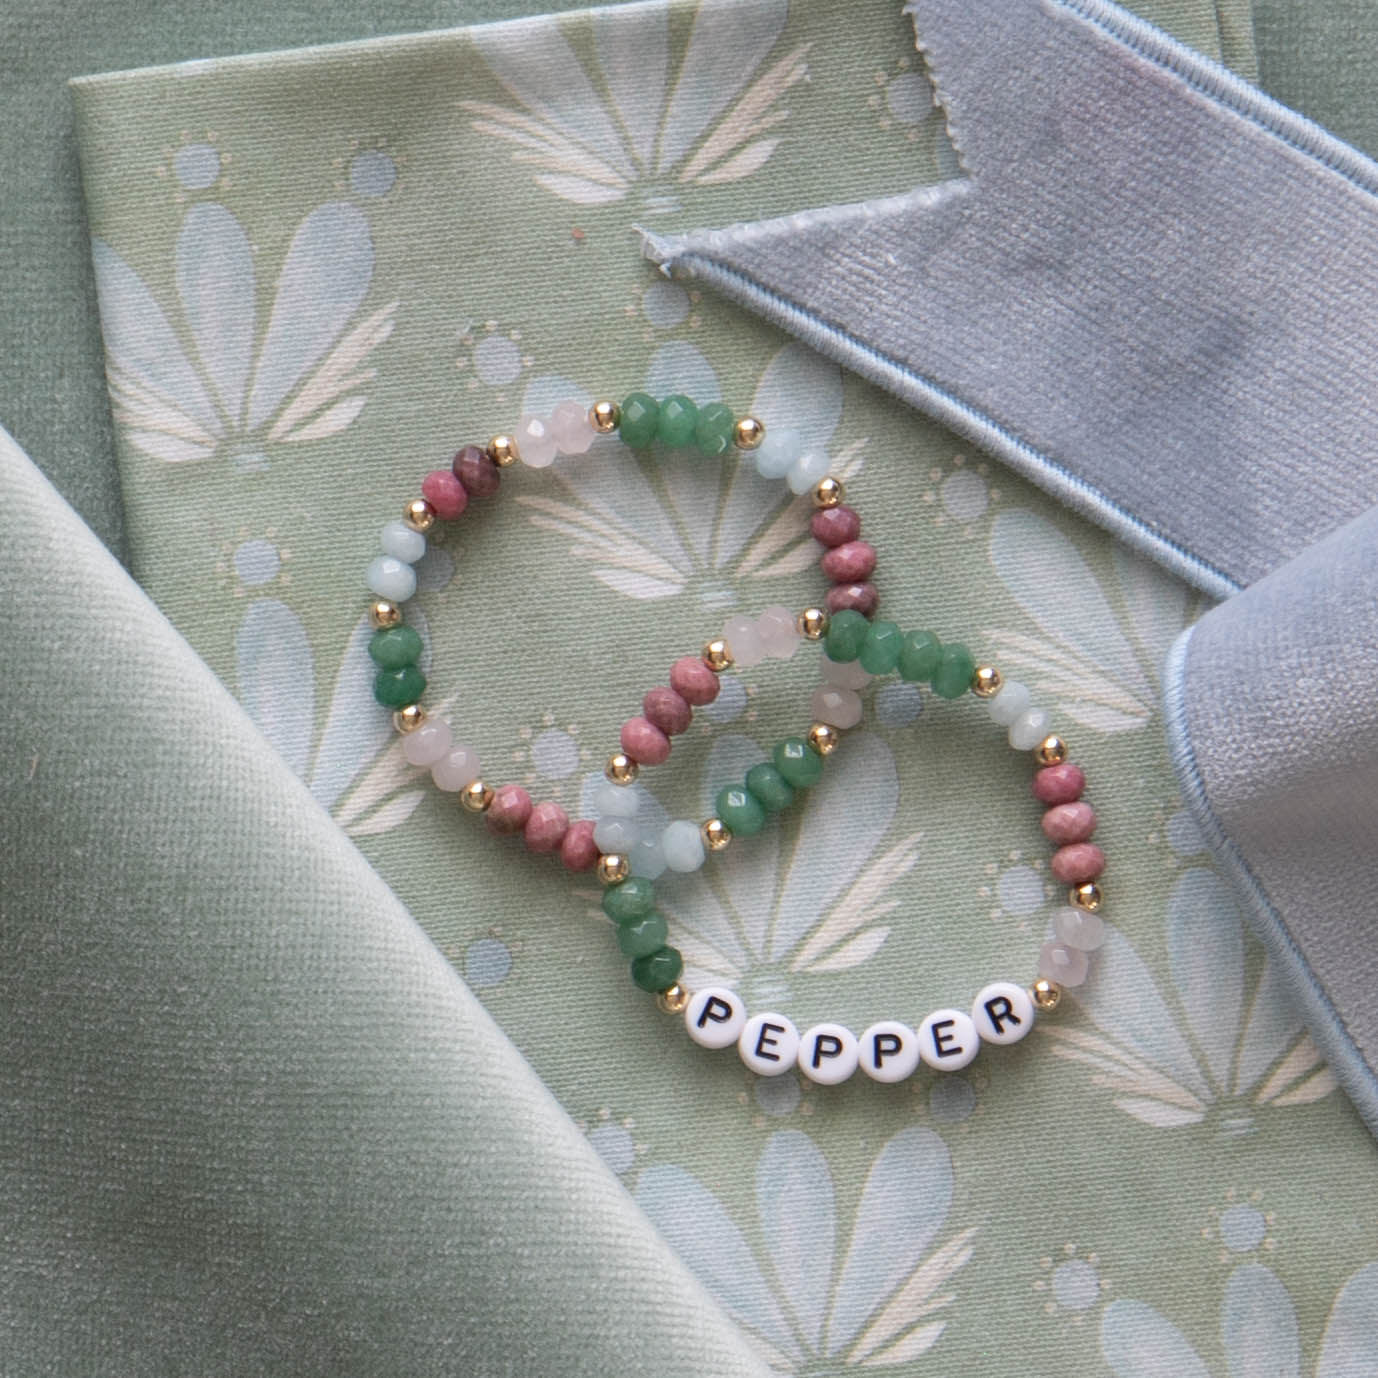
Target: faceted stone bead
(458, 767)
(402, 543)
(835, 706)
(682, 844)
(619, 801)
(476, 470)
(834, 526)
(713, 429)
(509, 811)
(640, 416)
(570, 428)
(828, 1054)
(889, 1051)
(843, 674)
(658, 970)
(668, 710)
(743, 813)
(779, 635)
(394, 647)
(862, 598)
(745, 641)
(1064, 823)
(952, 678)
(646, 858)
(1077, 863)
(391, 578)
(633, 899)
(852, 563)
(880, 653)
(770, 787)
(693, 681)
(775, 455)
(398, 688)
(1068, 966)
(715, 1016)
(846, 635)
(808, 471)
(1079, 928)
(445, 493)
(428, 743)
(578, 850)
(676, 422)
(948, 1040)
(644, 742)
(919, 657)
(1002, 1012)
(1059, 784)
(798, 762)
(768, 1044)
(546, 827)
(1029, 728)
(641, 937)
(1013, 700)
(616, 834)
(535, 442)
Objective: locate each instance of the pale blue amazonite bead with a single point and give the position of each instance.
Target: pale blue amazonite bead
(615, 834)
(777, 452)
(682, 844)
(647, 858)
(616, 801)
(391, 578)
(806, 471)
(402, 543)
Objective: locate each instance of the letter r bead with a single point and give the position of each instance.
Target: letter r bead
(1003, 1013)
(714, 1016)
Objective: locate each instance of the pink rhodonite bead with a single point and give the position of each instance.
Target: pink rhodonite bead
(1059, 784)
(850, 563)
(668, 710)
(445, 493)
(835, 526)
(1077, 863)
(578, 850)
(546, 827)
(1064, 823)
(644, 742)
(693, 681)
(476, 471)
(863, 598)
(510, 809)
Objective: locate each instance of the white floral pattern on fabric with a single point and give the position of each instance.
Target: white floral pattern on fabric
(1258, 1333)
(804, 1312)
(235, 392)
(1231, 1051)
(637, 121)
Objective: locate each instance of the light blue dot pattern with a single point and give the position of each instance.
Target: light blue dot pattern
(256, 562)
(372, 174)
(486, 963)
(196, 166)
(897, 705)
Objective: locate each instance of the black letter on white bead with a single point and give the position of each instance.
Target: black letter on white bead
(828, 1054)
(768, 1044)
(947, 1040)
(714, 1017)
(889, 1051)
(1002, 1012)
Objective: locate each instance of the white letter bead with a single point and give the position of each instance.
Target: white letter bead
(1013, 699)
(715, 1016)
(947, 1040)
(828, 1054)
(1002, 1012)
(889, 1051)
(1029, 728)
(769, 1044)
(391, 578)
(402, 543)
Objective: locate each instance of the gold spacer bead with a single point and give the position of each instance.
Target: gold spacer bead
(613, 868)
(716, 834)
(673, 1000)
(1087, 896)
(824, 737)
(419, 515)
(1046, 995)
(986, 682)
(828, 492)
(1051, 751)
(476, 797)
(813, 624)
(717, 656)
(502, 450)
(621, 769)
(382, 612)
(605, 417)
(748, 433)
(408, 719)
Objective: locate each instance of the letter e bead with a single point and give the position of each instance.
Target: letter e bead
(769, 1044)
(947, 1040)
(714, 1016)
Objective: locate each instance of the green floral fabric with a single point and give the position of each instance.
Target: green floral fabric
(322, 272)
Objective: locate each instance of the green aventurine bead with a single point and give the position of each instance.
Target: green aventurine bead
(641, 937)
(770, 787)
(741, 810)
(952, 678)
(881, 651)
(640, 415)
(919, 657)
(798, 762)
(394, 647)
(678, 417)
(633, 899)
(658, 970)
(846, 635)
(398, 688)
(714, 428)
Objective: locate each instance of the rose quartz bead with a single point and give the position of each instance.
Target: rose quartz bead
(1078, 863)
(578, 850)
(644, 742)
(862, 597)
(1059, 784)
(546, 827)
(835, 526)
(445, 493)
(1068, 966)
(510, 809)
(693, 681)
(850, 563)
(476, 471)
(836, 706)
(1064, 823)
(667, 710)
